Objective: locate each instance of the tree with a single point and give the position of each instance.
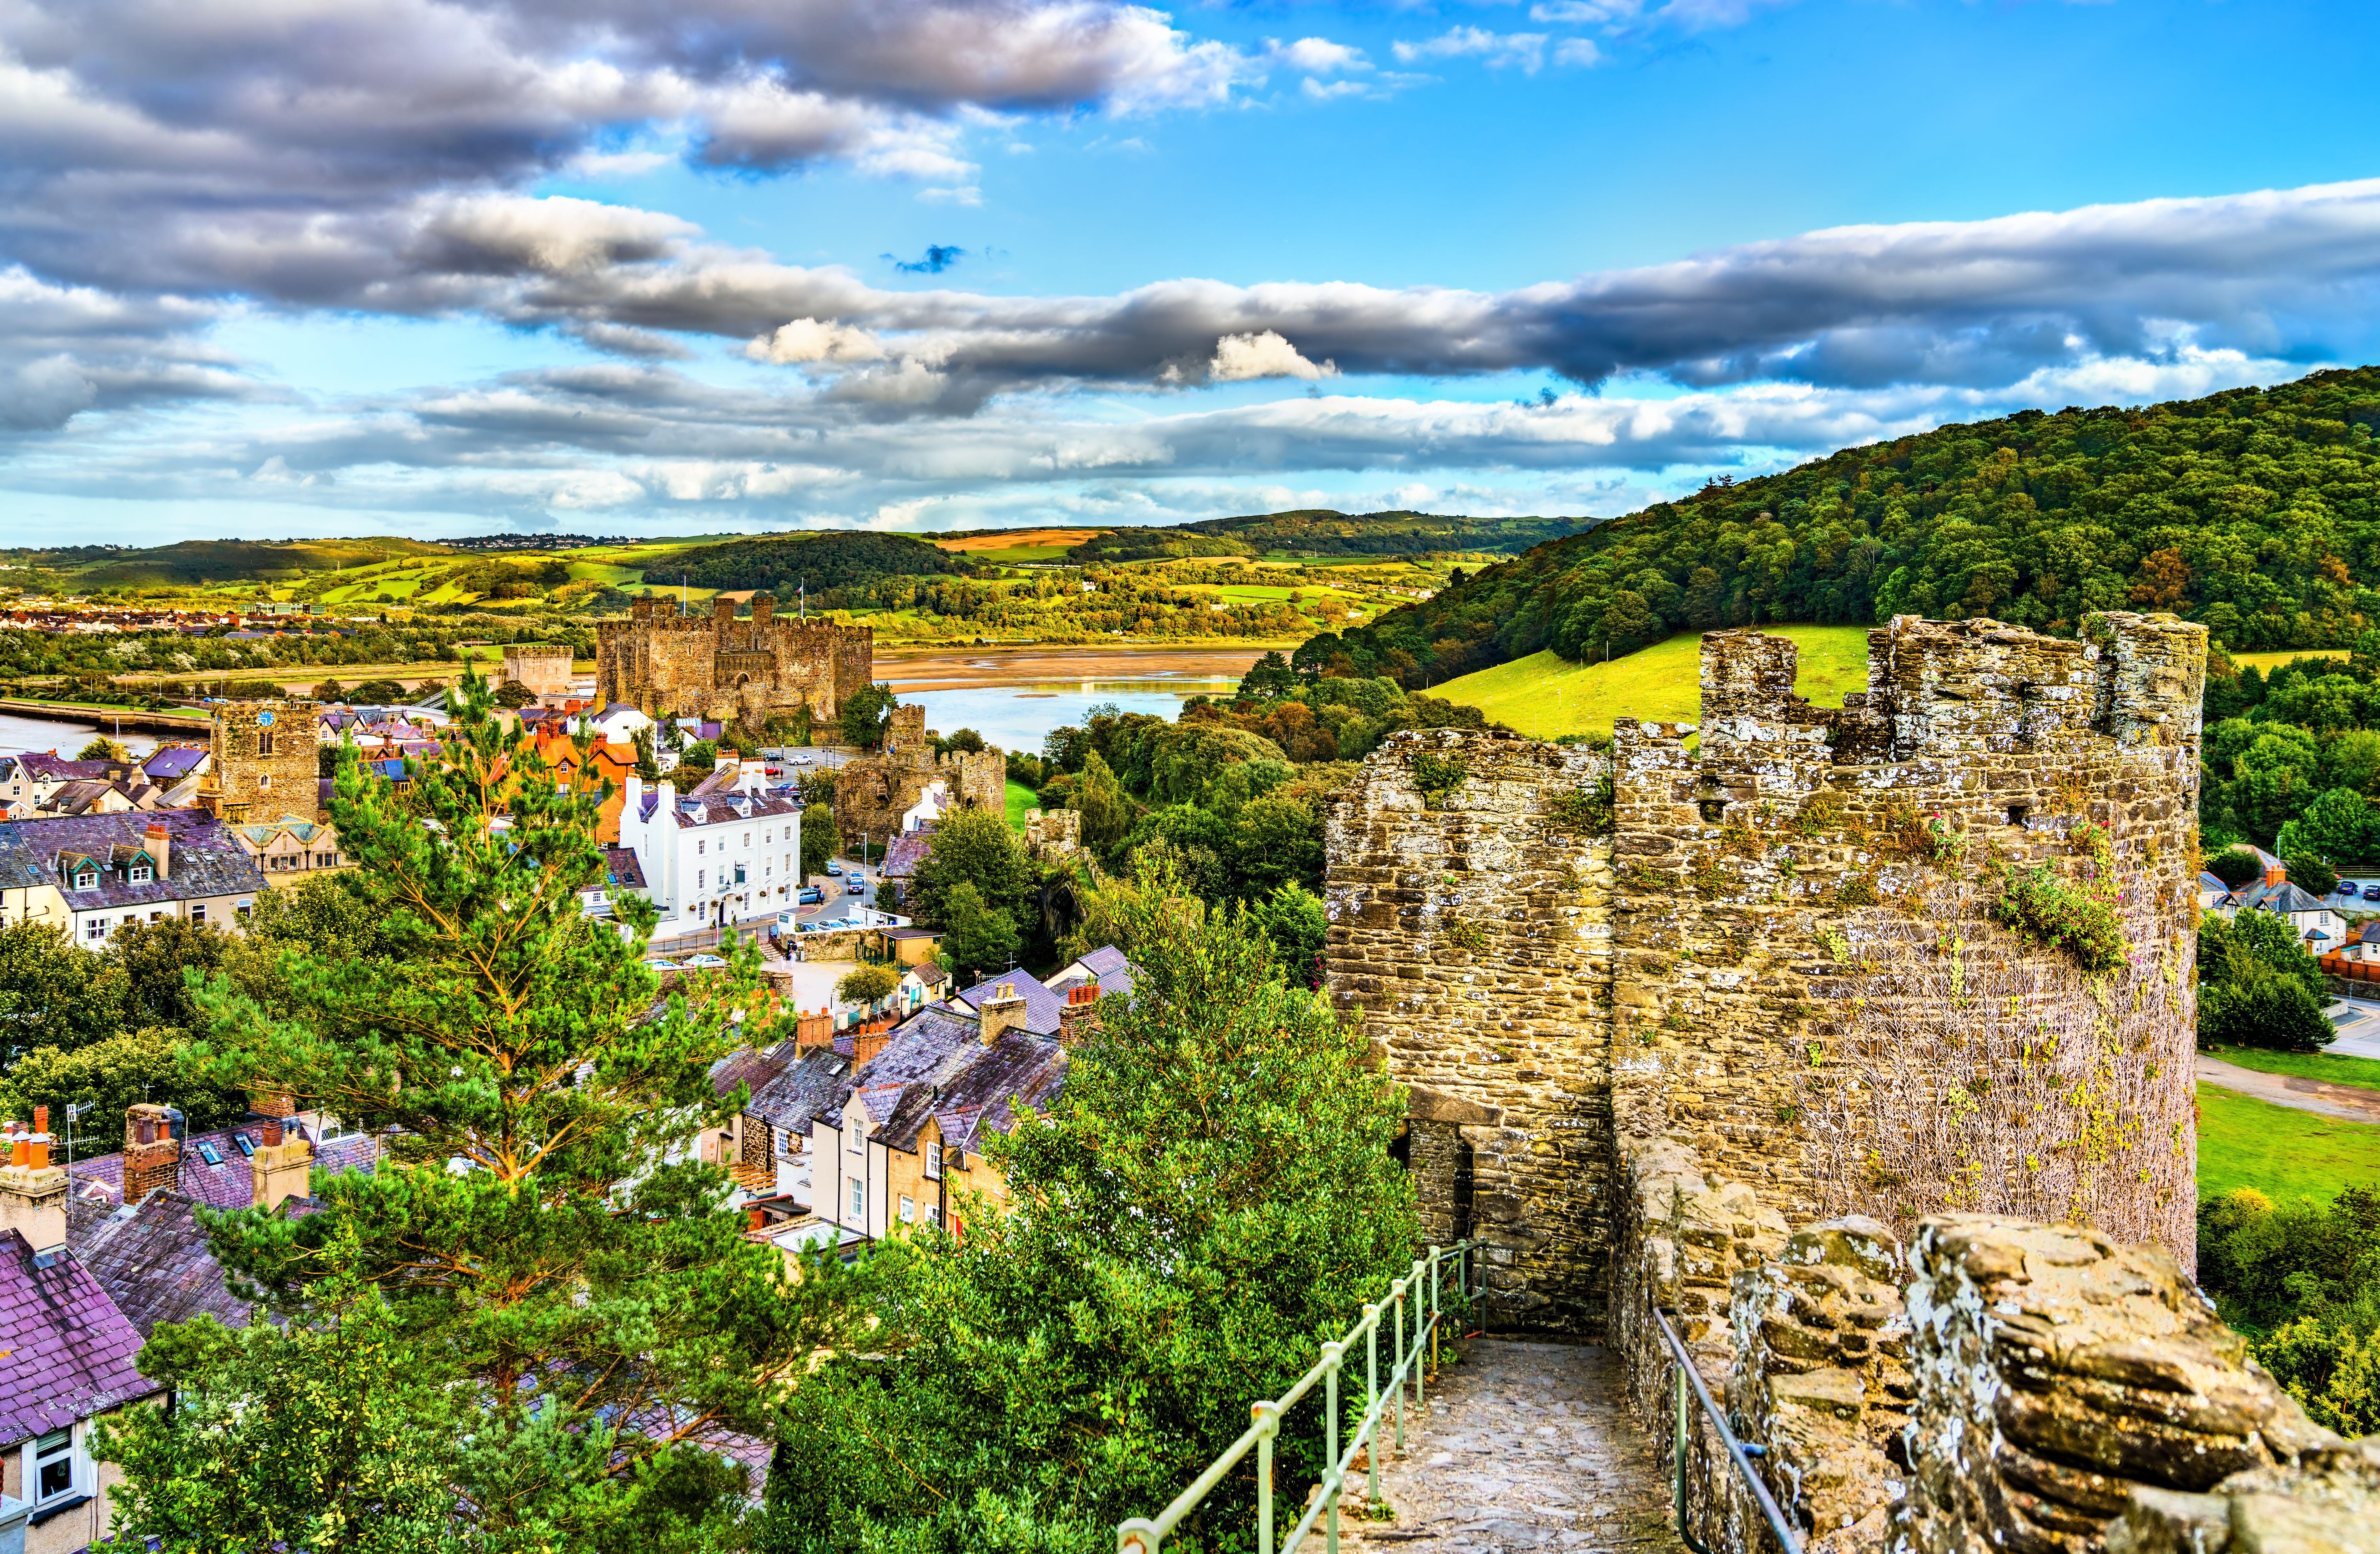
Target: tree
(1293, 921)
(648, 767)
(2340, 826)
(2273, 1012)
(378, 693)
(978, 937)
(105, 1077)
(2309, 873)
(1268, 677)
(100, 748)
(1211, 1196)
(330, 691)
(154, 957)
(866, 712)
(2235, 867)
(578, 1320)
(53, 993)
(965, 740)
(700, 757)
(1107, 813)
(821, 839)
(975, 848)
(867, 983)
(512, 693)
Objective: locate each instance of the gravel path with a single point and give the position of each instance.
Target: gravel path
(2289, 1089)
(1527, 1446)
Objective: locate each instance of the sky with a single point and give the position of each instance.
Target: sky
(272, 268)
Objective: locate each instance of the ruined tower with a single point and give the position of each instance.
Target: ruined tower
(1808, 944)
(725, 668)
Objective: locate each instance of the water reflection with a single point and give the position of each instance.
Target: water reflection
(1016, 717)
(65, 736)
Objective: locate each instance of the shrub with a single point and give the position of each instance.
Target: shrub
(1592, 811)
(1438, 777)
(2235, 867)
(2044, 905)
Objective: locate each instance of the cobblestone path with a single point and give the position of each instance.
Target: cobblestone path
(1527, 1446)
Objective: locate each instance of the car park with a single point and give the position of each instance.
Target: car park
(2347, 887)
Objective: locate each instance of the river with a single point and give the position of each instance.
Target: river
(65, 736)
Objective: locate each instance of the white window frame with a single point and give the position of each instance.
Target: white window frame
(95, 927)
(934, 1157)
(908, 1209)
(859, 1200)
(138, 874)
(57, 1447)
(197, 911)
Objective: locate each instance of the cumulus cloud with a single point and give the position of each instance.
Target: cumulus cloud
(1240, 357)
(1495, 50)
(806, 340)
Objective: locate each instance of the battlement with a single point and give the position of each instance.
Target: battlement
(721, 666)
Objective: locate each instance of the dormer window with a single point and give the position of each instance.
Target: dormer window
(138, 874)
(86, 882)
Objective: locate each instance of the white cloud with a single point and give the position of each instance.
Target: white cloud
(807, 340)
(1577, 51)
(1585, 13)
(1321, 56)
(1240, 357)
(1495, 50)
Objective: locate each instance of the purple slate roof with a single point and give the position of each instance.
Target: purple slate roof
(747, 1067)
(720, 809)
(230, 1184)
(627, 869)
(171, 763)
(151, 1258)
(937, 1062)
(1041, 1005)
(45, 766)
(908, 850)
(65, 1352)
(205, 859)
(808, 1087)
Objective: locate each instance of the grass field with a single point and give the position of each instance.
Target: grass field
(2363, 1074)
(1543, 696)
(1024, 544)
(2267, 663)
(1020, 799)
(2283, 1153)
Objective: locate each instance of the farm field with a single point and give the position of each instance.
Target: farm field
(2284, 1154)
(1544, 696)
(2267, 663)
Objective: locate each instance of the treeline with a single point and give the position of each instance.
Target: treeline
(89, 661)
(852, 560)
(1321, 531)
(2255, 511)
(2302, 1281)
(2292, 761)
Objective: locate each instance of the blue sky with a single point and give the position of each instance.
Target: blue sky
(617, 266)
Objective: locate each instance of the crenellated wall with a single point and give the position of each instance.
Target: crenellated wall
(718, 666)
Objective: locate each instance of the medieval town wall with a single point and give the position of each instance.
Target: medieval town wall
(872, 793)
(1772, 941)
(541, 667)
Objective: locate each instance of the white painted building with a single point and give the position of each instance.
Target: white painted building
(727, 852)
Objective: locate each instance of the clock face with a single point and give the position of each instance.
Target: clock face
(264, 719)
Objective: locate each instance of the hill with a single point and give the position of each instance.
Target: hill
(2255, 511)
(196, 562)
(1544, 696)
(820, 561)
(1319, 531)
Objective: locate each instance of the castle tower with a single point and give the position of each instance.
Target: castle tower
(1799, 949)
(265, 761)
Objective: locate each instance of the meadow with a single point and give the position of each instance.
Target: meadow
(1544, 696)
(2283, 1153)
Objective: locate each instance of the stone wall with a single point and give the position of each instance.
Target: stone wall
(542, 666)
(265, 761)
(1771, 941)
(729, 669)
(872, 793)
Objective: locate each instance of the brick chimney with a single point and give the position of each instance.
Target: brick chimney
(1002, 1012)
(864, 1045)
(33, 1191)
(814, 1030)
(2276, 873)
(152, 1155)
(282, 1167)
(159, 843)
(1081, 1013)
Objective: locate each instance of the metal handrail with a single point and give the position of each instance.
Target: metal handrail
(1739, 1453)
(1147, 1535)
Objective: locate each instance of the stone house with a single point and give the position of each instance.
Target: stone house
(292, 849)
(92, 874)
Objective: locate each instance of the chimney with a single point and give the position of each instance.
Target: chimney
(159, 842)
(864, 1045)
(1080, 1015)
(33, 1191)
(152, 1152)
(282, 1166)
(2276, 873)
(814, 1030)
(1002, 1012)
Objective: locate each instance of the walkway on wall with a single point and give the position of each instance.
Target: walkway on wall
(1526, 1446)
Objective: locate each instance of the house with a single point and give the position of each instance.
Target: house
(169, 766)
(928, 807)
(727, 853)
(2321, 928)
(912, 946)
(92, 874)
(1105, 967)
(291, 849)
(68, 1356)
(623, 876)
(2212, 892)
(908, 850)
(921, 984)
(604, 763)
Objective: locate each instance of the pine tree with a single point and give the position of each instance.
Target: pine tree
(578, 1322)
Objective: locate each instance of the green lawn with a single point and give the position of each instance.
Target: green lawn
(1543, 696)
(2267, 663)
(2281, 1152)
(1020, 799)
(2363, 1074)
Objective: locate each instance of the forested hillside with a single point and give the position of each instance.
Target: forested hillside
(847, 559)
(1320, 531)
(2255, 511)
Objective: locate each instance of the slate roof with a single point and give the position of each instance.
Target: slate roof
(627, 869)
(908, 850)
(48, 766)
(171, 763)
(1108, 965)
(230, 1184)
(747, 1067)
(1041, 1005)
(204, 860)
(2283, 898)
(65, 1352)
(936, 1064)
(720, 809)
(808, 1088)
(151, 1258)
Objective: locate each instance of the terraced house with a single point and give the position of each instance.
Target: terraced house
(93, 874)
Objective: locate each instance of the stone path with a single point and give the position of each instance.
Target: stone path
(1527, 1446)
(2291, 1091)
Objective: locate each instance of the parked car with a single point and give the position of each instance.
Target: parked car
(833, 869)
(2347, 887)
(810, 895)
(2372, 893)
(856, 887)
(705, 962)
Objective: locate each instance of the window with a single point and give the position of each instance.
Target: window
(698, 878)
(53, 1460)
(95, 928)
(698, 846)
(138, 874)
(908, 1209)
(263, 743)
(747, 839)
(934, 1159)
(247, 1146)
(859, 1202)
(86, 882)
(210, 1154)
(853, 1138)
(197, 912)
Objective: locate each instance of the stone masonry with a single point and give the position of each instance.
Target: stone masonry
(265, 760)
(1702, 935)
(872, 793)
(730, 668)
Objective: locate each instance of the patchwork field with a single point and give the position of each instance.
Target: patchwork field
(1544, 696)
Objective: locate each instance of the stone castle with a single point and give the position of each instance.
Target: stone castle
(265, 760)
(1752, 1022)
(872, 793)
(729, 669)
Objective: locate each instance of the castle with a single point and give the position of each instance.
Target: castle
(873, 792)
(727, 669)
(1775, 942)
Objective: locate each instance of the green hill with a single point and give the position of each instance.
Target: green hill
(1320, 531)
(2255, 511)
(1545, 695)
(195, 562)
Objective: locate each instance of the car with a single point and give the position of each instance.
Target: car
(812, 896)
(705, 962)
(2372, 893)
(833, 869)
(2347, 887)
(856, 887)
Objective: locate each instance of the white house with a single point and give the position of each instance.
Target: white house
(928, 807)
(717, 855)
